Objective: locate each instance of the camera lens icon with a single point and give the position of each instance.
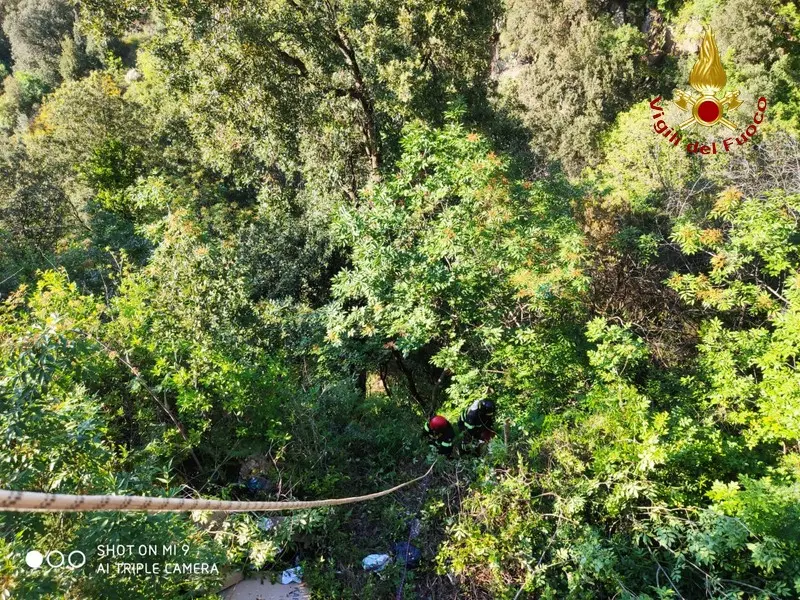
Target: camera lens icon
(34, 559)
(55, 559)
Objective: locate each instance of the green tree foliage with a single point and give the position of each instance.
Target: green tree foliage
(272, 237)
(322, 92)
(35, 29)
(362, 67)
(74, 60)
(453, 257)
(60, 435)
(34, 209)
(21, 93)
(572, 69)
(667, 504)
(640, 173)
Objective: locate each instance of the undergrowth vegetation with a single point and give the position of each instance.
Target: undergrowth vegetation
(267, 240)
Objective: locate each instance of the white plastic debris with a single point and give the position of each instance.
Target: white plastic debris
(416, 527)
(266, 524)
(294, 575)
(375, 562)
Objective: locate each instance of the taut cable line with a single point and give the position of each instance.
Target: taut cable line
(16, 501)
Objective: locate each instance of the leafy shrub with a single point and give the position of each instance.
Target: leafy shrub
(573, 69)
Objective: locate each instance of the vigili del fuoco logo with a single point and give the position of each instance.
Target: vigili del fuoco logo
(706, 110)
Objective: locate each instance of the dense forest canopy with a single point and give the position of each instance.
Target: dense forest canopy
(268, 240)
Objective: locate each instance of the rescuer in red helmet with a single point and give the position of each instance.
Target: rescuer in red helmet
(440, 434)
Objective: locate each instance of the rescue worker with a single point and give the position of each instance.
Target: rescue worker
(441, 434)
(476, 424)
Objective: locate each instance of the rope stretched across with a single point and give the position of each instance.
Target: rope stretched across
(12, 501)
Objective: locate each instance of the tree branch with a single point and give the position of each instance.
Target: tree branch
(359, 91)
(113, 354)
(292, 61)
(382, 371)
(412, 386)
